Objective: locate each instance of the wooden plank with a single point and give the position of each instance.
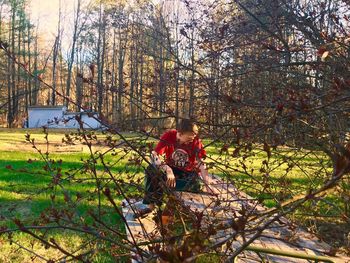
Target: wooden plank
(139, 229)
(281, 235)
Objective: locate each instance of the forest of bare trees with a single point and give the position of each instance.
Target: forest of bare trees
(225, 63)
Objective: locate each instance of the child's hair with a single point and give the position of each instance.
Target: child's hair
(187, 125)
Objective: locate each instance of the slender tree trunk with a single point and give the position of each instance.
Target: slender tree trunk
(13, 68)
(177, 66)
(71, 58)
(29, 85)
(99, 62)
(113, 83)
(132, 77)
(26, 51)
(191, 100)
(102, 89)
(120, 76)
(34, 97)
(136, 79)
(140, 114)
(54, 64)
(107, 80)
(61, 71)
(79, 92)
(17, 99)
(9, 88)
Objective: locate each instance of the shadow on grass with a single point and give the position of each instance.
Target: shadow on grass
(30, 211)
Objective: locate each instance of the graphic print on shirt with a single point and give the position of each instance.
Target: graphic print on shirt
(180, 158)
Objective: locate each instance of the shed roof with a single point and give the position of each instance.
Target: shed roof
(80, 113)
(45, 107)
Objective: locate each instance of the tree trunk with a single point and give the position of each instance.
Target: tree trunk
(100, 61)
(54, 63)
(9, 89)
(121, 57)
(191, 100)
(13, 70)
(34, 96)
(72, 53)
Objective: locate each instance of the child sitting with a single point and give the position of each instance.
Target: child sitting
(184, 154)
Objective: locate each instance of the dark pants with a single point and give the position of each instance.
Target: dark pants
(155, 183)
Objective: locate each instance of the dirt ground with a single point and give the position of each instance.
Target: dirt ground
(14, 140)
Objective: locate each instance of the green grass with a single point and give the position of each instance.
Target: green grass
(24, 192)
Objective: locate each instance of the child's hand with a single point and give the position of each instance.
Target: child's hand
(208, 185)
(170, 182)
(212, 190)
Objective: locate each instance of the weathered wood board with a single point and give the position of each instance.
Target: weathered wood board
(281, 234)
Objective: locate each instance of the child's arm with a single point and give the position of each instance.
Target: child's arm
(206, 178)
(157, 162)
(204, 171)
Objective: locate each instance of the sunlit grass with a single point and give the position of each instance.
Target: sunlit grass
(24, 192)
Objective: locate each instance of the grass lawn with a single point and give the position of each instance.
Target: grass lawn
(27, 192)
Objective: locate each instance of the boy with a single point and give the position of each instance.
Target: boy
(183, 161)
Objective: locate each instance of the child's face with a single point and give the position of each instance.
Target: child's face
(186, 137)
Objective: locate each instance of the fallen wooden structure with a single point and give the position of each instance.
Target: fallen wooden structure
(280, 241)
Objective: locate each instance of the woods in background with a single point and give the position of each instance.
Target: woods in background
(255, 67)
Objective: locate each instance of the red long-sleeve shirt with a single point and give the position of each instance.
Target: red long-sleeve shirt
(182, 156)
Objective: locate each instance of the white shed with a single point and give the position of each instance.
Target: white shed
(88, 119)
(58, 117)
(39, 116)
